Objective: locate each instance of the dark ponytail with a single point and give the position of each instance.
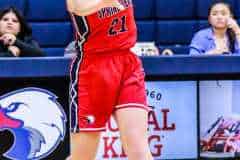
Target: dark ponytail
(232, 38)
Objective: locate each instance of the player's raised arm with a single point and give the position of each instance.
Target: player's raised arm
(86, 7)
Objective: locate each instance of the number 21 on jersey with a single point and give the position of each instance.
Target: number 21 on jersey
(117, 26)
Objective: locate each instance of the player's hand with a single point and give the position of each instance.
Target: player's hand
(113, 3)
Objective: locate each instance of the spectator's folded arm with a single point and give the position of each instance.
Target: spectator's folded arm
(29, 48)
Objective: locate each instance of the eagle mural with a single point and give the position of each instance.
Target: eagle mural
(35, 119)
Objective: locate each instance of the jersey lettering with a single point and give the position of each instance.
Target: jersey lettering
(114, 27)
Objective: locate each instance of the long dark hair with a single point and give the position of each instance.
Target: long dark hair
(25, 29)
(231, 35)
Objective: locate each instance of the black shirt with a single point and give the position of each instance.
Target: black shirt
(28, 48)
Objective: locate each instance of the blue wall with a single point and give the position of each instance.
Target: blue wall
(170, 23)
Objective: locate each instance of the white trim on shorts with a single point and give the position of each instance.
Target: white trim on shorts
(133, 105)
(92, 129)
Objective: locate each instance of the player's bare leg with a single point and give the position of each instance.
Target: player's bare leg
(132, 123)
(84, 145)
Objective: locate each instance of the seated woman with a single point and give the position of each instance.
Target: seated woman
(223, 37)
(16, 36)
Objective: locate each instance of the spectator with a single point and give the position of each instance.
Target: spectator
(222, 37)
(16, 35)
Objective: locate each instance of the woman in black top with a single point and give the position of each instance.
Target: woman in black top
(16, 36)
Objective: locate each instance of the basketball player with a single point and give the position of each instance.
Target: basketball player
(106, 79)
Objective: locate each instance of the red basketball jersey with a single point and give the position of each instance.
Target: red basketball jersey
(106, 30)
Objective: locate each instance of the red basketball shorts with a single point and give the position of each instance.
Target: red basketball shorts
(102, 84)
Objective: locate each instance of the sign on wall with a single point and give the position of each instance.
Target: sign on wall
(219, 119)
(172, 123)
(34, 119)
